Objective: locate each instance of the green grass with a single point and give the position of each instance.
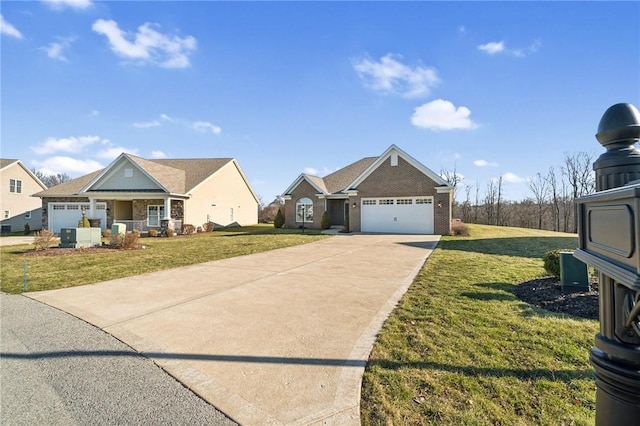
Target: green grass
(51, 272)
(460, 349)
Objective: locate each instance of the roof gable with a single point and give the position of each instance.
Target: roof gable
(130, 173)
(6, 163)
(315, 181)
(394, 150)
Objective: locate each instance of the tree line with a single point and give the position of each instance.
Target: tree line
(551, 204)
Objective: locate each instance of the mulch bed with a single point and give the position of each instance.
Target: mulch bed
(63, 251)
(547, 293)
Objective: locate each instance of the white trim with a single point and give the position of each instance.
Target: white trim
(109, 170)
(409, 159)
(298, 181)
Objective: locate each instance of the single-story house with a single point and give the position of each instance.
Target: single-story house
(19, 208)
(149, 194)
(391, 193)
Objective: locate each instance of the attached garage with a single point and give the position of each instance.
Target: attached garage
(405, 215)
(67, 215)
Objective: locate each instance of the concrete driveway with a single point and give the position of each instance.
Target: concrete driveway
(16, 240)
(280, 337)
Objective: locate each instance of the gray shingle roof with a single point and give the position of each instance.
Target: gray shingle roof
(4, 162)
(338, 180)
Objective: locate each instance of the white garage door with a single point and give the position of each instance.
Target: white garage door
(67, 215)
(406, 215)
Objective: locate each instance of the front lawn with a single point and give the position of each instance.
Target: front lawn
(51, 272)
(461, 349)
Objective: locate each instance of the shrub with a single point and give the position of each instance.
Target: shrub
(170, 232)
(84, 222)
(552, 261)
(27, 229)
(278, 221)
(131, 239)
(459, 229)
(44, 239)
(208, 227)
(199, 229)
(153, 232)
(325, 223)
(346, 223)
(106, 233)
(188, 229)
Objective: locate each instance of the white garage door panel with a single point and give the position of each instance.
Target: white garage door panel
(67, 215)
(407, 215)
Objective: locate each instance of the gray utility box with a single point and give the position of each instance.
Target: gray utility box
(574, 274)
(80, 237)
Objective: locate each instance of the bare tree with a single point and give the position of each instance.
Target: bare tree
(539, 186)
(51, 180)
(577, 169)
(490, 197)
(499, 203)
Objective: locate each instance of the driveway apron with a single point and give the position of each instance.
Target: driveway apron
(279, 337)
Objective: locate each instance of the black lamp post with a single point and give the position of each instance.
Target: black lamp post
(304, 213)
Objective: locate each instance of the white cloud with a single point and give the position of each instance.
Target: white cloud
(485, 163)
(166, 117)
(71, 144)
(112, 152)
(7, 29)
(512, 178)
(146, 124)
(442, 115)
(391, 76)
(492, 47)
(462, 30)
(311, 171)
(495, 47)
(148, 45)
(94, 113)
(73, 4)
(55, 50)
(158, 154)
(205, 126)
(68, 165)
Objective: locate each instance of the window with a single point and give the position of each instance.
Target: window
(7, 214)
(304, 210)
(15, 186)
(386, 202)
(405, 201)
(27, 215)
(424, 201)
(154, 214)
(369, 202)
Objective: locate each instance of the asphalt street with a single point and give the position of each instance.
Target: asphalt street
(58, 369)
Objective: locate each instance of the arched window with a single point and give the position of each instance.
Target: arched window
(304, 210)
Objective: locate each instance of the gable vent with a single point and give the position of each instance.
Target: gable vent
(394, 159)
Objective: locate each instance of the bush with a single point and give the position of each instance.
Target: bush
(278, 221)
(208, 227)
(27, 229)
(131, 239)
(325, 223)
(84, 222)
(153, 232)
(552, 261)
(459, 229)
(106, 233)
(188, 229)
(44, 239)
(199, 229)
(170, 232)
(346, 223)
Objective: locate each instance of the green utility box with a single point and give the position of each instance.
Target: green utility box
(574, 274)
(118, 228)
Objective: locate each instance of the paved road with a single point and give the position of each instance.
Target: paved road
(57, 369)
(278, 338)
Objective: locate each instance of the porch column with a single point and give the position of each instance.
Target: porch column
(167, 208)
(92, 208)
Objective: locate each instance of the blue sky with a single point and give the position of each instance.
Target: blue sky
(489, 88)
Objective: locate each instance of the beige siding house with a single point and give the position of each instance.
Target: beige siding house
(17, 205)
(152, 194)
(391, 193)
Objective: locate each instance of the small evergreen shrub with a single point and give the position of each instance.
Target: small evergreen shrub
(325, 223)
(27, 229)
(552, 261)
(44, 239)
(199, 229)
(208, 227)
(460, 229)
(188, 229)
(346, 223)
(84, 222)
(153, 232)
(278, 221)
(170, 232)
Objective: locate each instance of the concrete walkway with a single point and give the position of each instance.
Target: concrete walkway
(280, 337)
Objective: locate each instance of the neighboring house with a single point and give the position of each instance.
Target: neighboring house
(392, 193)
(17, 205)
(148, 194)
